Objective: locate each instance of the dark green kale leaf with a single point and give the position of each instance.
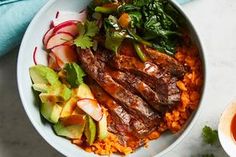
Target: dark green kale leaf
(128, 7)
(136, 19)
(140, 3)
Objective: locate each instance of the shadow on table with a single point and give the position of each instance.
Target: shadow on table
(17, 135)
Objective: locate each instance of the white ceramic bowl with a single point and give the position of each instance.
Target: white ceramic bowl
(32, 38)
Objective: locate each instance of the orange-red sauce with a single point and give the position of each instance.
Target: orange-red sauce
(233, 127)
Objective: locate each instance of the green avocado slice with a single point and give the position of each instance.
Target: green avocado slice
(83, 91)
(90, 130)
(71, 127)
(55, 94)
(102, 127)
(41, 74)
(51, 112)
(43, 88)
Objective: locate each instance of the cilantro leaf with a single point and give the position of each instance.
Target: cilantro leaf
(81, 28)
(86, 31)
(74, 74)
(91, 29)
(209, 135)
(83, 42)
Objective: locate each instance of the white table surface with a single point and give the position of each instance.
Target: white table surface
(216, 24)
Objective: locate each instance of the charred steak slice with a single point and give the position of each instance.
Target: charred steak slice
(127, 79)
(151, 75)
(147, 72)
(119, 115)
(120, 122)
(132, 64)
(166, 62)
(173, 91)
(133, 104)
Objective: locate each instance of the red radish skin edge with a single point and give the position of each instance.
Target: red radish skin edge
(57, 14)
(64, 24)
(34, 55)
(64, 33)
(94, 100)
(59, 30)
(59, 44)
(45, 35)
(53, 24)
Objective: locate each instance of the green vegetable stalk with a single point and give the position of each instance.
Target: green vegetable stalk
(139, 39)
(139, 52)
(105, 10)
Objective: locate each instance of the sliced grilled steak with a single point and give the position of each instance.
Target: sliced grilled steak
(138, 108)
(129, 80)
(121, 117)
(166, 62)
(160, 81)
(148, 72)
(120, 122)
(132, 64)
(173, 91)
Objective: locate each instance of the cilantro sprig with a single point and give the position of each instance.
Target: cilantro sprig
(74, 74)
(86, 32)
(209, 135)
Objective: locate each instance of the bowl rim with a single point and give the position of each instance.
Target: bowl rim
(185, 132)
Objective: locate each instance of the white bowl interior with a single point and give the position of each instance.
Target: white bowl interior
(33, 37)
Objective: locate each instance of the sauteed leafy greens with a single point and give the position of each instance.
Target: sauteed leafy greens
(149, 22)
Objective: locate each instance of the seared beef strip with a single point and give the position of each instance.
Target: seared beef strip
(132, 64)
(120, 122)
(153, 76)
(138, 108)
(141, 88)
(166, 62)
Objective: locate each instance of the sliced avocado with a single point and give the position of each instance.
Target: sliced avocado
(83, 91)
(41, 87)
(90, 130)
(102, 127)
(59, 93)
(63, 91)
(51, 112)
(71, 127)
(43, 75)
(69, 107)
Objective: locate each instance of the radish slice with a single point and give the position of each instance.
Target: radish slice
(64, 54)
(59, 39)
(47, 36)
(91, 107)
(39, 56)
(69, 16)
(52, 62)
(68, 27)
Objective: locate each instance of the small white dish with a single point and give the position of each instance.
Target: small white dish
(224, 129)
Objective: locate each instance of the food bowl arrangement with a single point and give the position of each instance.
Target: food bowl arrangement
(110, 77)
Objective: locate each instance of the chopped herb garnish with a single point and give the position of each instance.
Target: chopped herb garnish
(74, 74)
(86, 32)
